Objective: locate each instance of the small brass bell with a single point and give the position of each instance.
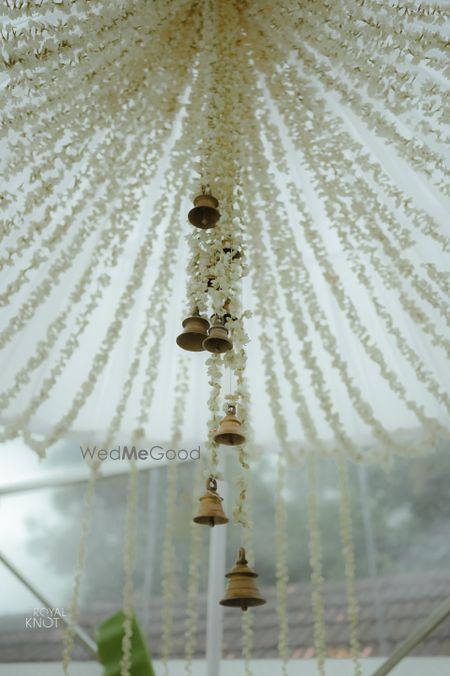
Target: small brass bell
(217, 340)
(242, 591)
(195, 332)
(230, 429)
(211, 512)
(204, 215)
(227, 247)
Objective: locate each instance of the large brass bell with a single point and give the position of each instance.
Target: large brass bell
(195, 332)
(230, 429)
(217, 340)
(242, 591)
(211, 512)
(204, 215)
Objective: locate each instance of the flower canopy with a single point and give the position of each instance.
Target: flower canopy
(324, 130)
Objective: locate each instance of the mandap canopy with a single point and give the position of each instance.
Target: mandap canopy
(322, 130)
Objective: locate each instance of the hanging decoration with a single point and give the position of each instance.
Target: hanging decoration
(194, 334)
(313, 141)
(211, 511)
(242, 591)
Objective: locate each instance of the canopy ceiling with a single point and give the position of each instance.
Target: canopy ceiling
(339, 116)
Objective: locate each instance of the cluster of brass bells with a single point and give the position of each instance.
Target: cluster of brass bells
(211, 512)
(198, 335)
(242, 591)
(229, 431)
(205, 214)
(195, 332)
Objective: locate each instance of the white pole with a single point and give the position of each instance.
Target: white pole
(216, 588)
(80, 634)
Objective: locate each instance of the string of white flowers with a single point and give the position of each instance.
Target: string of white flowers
(192, 606)
(399, 90)
(315, 559)
(84, 127)
(168, 557)
(129, 566)
(174, 180)
(292, 82)
(415, 44)
(50, 380)
(63, 42)
(414, 151)
(264, 285)
(274, 394)
(289, 249)
(100, 359)
(73, 610)
(329, 339)
(345, 303)
(338, 217)
(318, 318)
(349, 560)
(214, 373)
(46, 175)
(405, 13)
(108, 251)
(96, 48)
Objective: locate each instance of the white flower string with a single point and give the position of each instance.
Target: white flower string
(168, 557)
(193, 587)
(415, 152)
(72, 152)
(73, 611)
(278, 233)
(357, 327)
(349, 560)
(315, 560)
(112, 239)
(173, 178)
(129, 566)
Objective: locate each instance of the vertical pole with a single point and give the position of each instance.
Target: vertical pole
(216, 587)
(150, 558)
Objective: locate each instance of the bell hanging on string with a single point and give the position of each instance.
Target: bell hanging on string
(217, 340)
(204, 215)
(195, 332)
(227, 247)
(242, 591)
(211, 512)
(229, 432)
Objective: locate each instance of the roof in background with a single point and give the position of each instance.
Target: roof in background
(405, 601)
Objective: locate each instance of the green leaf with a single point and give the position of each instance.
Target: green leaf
(109, 637)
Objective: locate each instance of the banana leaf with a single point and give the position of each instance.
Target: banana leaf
(109, 643)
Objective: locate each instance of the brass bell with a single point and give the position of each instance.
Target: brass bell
(242, 591)
(230, 429)
(227, 247)
(204, 215)
(217, 340)
(195, 332)
(211, 512)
